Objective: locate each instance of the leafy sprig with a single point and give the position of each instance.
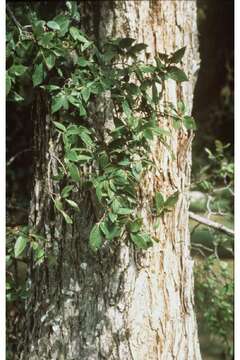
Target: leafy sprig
(74, 73)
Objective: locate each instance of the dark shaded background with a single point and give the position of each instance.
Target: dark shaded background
(213, 97)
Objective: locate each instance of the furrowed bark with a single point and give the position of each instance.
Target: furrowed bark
(121, 303)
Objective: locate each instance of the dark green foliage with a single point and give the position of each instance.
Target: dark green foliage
(73, 72)
(165, 205)
(214, 271)
(214, 299)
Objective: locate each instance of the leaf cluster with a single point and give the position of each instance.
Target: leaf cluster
(74, 73)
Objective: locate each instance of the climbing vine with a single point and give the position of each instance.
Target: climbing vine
(57, 59)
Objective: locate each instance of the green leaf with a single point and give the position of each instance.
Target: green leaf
(72, 203)
(59, 126)
(76, 34)
(160, 65)
(8, 286)
(50, 61)
(189, 123)
(86, 94)
(163, 57)
(137, 48)
(115, 206)
(95, 238)
(39, 254)
(38, 27)
(73, 8)
(17, 97)
(17, 70)
(74, 101)
(147, 68)
(159, 202)
(103, 160)
(72, 155)
(60, 73)
(148, 134)
(171, 201)
(86, 139)
(66, 217)
(58, 102)
(45, 40)
(205, 185)
(126, 108)
(74, 172)
(53, 25)
(20, 245)
(133, 89)
(8, 84)
(77, 130)
(124, 162)
(177, 74)
(86, 44)
(177, 55)
(181, 107)
(135, 226)
(66, 191)
(83, 157)
(50, 87)
(142, 241)
(112, 217)
(109, 230)
(114, 232)
(126, 42)
(63, 23)
(58, 204)
(156, 224)
(99, 193)
(83, 62)
(82, 111)
(125, 211)
(104, 227)
(159, 131)
(38, 75)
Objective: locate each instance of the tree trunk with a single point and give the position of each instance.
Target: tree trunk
(121, 303)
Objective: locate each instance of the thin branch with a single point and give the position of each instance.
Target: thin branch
(56, 158)
(210, 223)
(12, 159)
(197, 245)
(10, 13)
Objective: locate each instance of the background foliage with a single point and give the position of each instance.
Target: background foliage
(212, 190)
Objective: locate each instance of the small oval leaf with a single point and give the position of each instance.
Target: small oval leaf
(20, 245)
(95, 238)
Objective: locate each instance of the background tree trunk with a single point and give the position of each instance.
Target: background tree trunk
(121, 303)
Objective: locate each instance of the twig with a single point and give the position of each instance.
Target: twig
(10, 13)
(11, 160)
(56, 158)
(197, 245)
(210, 223)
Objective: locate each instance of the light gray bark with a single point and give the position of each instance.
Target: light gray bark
(121, 303)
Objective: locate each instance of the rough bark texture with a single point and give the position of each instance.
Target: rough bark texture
(121, 303)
